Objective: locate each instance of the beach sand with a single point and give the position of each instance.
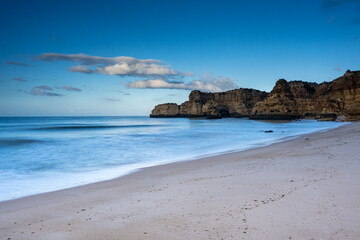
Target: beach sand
(305, 188)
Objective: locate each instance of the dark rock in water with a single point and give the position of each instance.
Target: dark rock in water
(327, 101)
(327, 117)
(270, 131)
(213, 117)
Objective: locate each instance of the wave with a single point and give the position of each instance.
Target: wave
(17, 142)
(85, 127)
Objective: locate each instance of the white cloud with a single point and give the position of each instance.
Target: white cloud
(158, 75)
(121, 66)
(207, 83)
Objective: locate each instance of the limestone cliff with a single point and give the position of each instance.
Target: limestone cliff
(165, 110)
(233, 103)
(342, 96)
(280, 104)
(287, 100)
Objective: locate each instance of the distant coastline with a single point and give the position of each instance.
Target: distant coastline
(328, 101)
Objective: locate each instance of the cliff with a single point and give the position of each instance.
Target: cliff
(233, 103)
(287, 100)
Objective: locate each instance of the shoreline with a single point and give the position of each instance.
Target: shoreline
(218, 191)
(133, 168)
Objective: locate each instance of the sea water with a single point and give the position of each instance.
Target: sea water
(42, 154)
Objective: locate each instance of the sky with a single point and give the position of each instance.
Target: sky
(121, 58)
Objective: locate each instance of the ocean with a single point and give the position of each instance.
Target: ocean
(42, 154)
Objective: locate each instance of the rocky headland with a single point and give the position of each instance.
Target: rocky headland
(335, 100)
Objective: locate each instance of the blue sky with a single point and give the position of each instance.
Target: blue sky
(123, 57)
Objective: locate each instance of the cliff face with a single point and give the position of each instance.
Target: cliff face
(343, 96)
(234, 103)
(166, 110)
(280, 104)
(287, 100)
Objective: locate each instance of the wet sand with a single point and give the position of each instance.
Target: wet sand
(305, 188)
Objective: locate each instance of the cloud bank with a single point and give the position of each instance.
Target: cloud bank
(120, 66)
(156, 75)
(18, 64)
(122, 92)
(19, 79)
(70, 88)
(48, 91)
(206, 83)
(44, 91)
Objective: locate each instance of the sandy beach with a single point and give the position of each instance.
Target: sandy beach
(305, 188)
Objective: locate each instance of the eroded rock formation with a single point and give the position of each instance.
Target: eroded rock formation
(233, 103)
(280, 104)
(287, 100)
(166, 110)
